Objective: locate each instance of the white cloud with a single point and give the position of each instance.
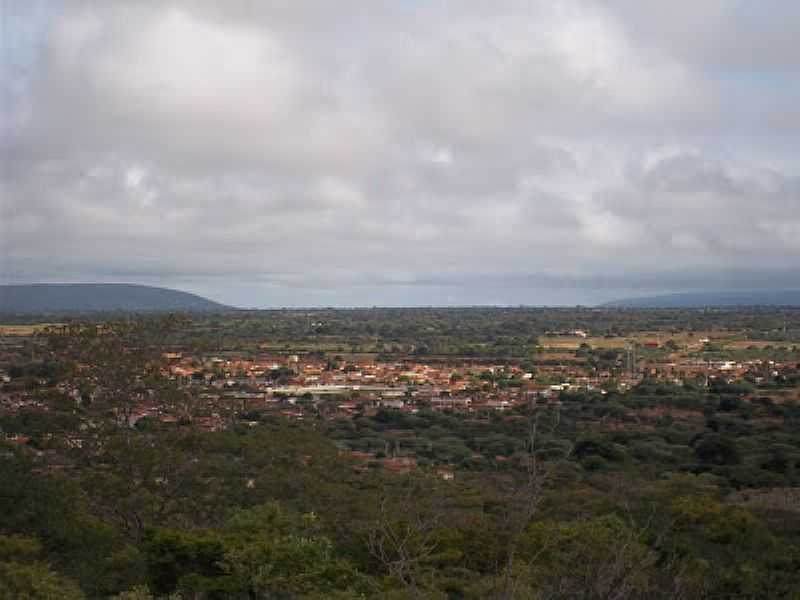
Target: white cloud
(340, 148)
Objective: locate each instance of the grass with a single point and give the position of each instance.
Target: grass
(24, 330)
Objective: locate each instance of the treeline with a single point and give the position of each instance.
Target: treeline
(276, 512)
(512, 333)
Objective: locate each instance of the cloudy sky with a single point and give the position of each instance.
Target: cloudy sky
(401, 153)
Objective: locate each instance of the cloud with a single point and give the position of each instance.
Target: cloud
(301, 153)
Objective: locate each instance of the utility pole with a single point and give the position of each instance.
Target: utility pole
(630, 357)
(628, 366)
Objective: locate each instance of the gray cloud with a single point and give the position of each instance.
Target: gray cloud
(387, 153)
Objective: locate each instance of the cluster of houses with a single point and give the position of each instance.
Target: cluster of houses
(219, 390)
(297, 386)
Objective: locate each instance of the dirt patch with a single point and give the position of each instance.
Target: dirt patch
(24, 330)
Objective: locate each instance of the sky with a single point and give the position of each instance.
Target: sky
(303, 153)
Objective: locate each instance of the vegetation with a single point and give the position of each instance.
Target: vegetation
(577, 497)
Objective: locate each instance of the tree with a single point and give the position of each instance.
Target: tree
(263, 552)
(410, 533)
(24, 577)
(717, 449)
(524, 489)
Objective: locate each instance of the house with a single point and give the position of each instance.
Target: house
(396, 403)
(498, 404)
(445, 474)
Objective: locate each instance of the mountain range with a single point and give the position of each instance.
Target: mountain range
(100, 297)
(703, 299)
(108, 297)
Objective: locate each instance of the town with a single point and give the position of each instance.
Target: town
(377, 451)
(257, 381)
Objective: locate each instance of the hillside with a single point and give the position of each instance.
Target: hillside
(701, 299)
(98, 297)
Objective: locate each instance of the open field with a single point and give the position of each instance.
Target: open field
(748, 344)
(24, 330)
(566, 342)
(730, 340)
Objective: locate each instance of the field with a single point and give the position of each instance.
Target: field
(24, 330)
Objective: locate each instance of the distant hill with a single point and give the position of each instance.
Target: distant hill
(701, 299)
(97, 297)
